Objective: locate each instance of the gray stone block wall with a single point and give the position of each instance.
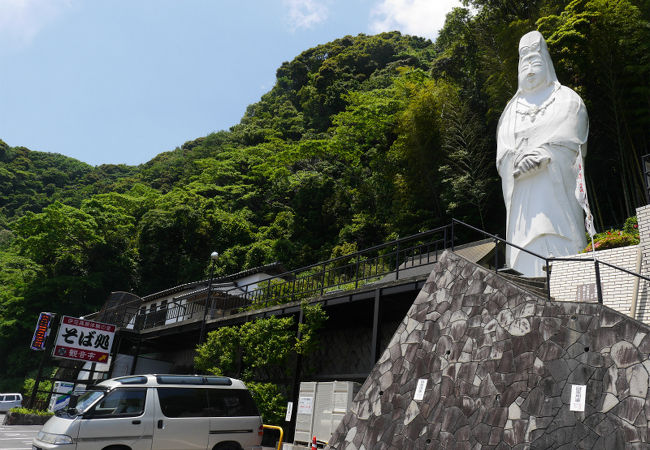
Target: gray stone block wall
(500, 364)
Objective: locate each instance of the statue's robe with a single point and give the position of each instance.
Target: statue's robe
(543, 215)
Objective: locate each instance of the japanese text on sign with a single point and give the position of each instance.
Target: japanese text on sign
(420, 388)
(42, 331)
(84, 340)
(305, 405)
(578, 394)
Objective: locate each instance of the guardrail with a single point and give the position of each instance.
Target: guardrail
(548, 260)
(384, 262)
(394, 259)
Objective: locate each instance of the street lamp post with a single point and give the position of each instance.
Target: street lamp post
(214, 256)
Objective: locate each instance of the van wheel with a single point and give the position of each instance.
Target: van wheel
(117, 447)
(227, 446)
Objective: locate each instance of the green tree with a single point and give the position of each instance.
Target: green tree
(603, 49)
(261, 353)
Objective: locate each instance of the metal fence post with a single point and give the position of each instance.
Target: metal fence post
(356, 273)
(599, 288)
(397, 262)
(548, 278)
(322, 285)
(496, 255)
(452, 235)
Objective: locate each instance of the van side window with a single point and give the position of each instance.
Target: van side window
(121, 403)
(183, 402)
(200, 402)
(231, 403)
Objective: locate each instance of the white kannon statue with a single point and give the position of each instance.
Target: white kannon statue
(539, 136)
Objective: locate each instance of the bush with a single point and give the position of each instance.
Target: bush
(41, 395)
(271, 402)
(616, 238)
(32, 412)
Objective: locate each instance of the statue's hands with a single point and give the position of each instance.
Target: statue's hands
(530, 161)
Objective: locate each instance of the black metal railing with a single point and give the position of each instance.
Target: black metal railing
(393, 260)
(549, 260)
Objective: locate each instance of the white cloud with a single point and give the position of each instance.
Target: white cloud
(417, 17)
(305, 13)
(22, 20)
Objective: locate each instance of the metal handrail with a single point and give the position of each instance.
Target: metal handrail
(328, 277)
(274, 427)
(343, 272)
(353, 269)
(549, 260)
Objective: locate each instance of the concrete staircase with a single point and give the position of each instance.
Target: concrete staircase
(534, 285)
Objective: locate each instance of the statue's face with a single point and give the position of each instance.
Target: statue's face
(532, 72)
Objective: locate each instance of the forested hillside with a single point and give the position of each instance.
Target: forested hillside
(361, 140)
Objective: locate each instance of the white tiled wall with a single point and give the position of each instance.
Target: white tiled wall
(619, 288)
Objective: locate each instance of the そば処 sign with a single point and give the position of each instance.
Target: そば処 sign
(84, 340)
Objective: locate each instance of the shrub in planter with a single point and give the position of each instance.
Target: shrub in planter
(629, 235)
(24, 416)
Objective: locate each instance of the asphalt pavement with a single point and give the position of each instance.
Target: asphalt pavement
(17, 437)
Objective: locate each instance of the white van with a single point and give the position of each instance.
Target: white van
(161, 412)
(8, 401)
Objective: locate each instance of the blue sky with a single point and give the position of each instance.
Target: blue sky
(119, 81)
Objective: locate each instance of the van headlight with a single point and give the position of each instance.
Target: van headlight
(52, 438)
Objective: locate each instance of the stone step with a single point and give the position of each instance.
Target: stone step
(535, 285)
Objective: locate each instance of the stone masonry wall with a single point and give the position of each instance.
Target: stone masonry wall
(500, 364)
(568, 278)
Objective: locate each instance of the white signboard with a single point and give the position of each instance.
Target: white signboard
(305, 405)
(578, 394)
(587, 292)
(60, 395)
(289, 411)
(420, 388)
(84, 340)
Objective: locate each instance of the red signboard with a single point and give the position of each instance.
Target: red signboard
(84, 340)
(42, 331)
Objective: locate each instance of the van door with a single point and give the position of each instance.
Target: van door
(180, 420)
(123, 417)
(234, 417)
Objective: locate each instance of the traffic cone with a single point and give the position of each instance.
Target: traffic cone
(313, 444)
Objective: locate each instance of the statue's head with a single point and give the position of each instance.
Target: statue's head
(535, 66)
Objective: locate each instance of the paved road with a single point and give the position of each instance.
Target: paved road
(17, 437)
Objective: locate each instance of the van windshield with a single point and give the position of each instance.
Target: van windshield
(87, 399)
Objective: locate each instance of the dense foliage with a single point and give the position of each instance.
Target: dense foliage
(360, 140)
(262, 354)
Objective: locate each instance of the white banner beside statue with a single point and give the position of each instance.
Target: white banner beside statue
(540, 137)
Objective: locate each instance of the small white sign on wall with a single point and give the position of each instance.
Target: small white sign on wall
(305, 405)
(289, 411)
(419, 389)
(578, 395)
